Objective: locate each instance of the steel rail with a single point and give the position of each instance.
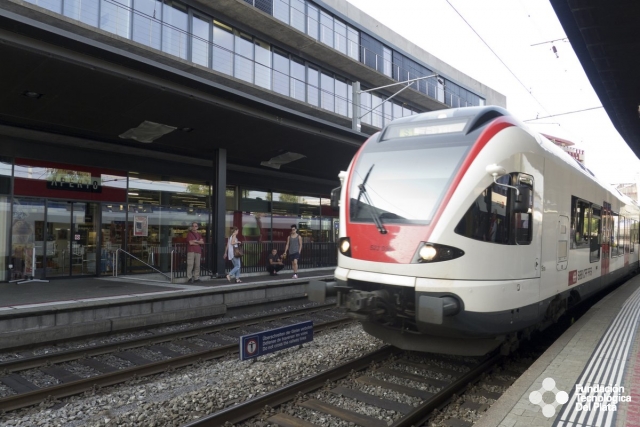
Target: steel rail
(253, 407)
(87, 384)
(423, 412)
(75, 354)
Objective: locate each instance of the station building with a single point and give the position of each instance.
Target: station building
(122, 122)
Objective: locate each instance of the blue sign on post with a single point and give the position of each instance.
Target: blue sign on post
(266, 342)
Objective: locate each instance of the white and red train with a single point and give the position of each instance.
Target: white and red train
(462, 230)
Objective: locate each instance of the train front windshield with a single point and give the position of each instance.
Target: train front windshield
(403, 179)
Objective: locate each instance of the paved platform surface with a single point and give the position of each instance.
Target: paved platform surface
(59, 291)
(578, 380)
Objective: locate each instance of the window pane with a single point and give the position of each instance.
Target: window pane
(326, 28)
(263, 64)
(115, 17)
(174, 30)
(243, 63)
(146, 23)
(365, 106)
(297, 80)
(52, 5)
(281, 73)
(82, 10)
(386, 65)
(298, 15)
(327, 86)
(340, 36)
(222, 48)
(200, 40)
(341, 97)
(281, 10)
(313, 86)
(352, 43)
(376, 115)
(312, 21)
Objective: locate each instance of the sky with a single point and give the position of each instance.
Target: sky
(507, 45)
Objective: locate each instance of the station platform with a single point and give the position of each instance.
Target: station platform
(39, 311)
(589, 377)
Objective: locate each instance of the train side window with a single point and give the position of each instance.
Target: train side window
(490, 218)
(595, 223)
(523, 223)
(615, 235)
(579, 223)
(625, 234)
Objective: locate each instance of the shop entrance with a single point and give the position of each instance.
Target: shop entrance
(72, 243)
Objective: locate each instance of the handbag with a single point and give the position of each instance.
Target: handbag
(237, 251)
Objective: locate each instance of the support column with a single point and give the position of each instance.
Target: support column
(219, 210)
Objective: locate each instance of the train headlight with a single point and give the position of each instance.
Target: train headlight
(427, 253)
(344, 246)
(432, 252)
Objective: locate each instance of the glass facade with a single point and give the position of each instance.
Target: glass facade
(61, 220)
(179, 30)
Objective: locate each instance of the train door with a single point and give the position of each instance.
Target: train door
(607, 224)
(527, 228)
(562, 256)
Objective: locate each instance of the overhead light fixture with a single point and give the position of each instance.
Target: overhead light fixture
(133, 194)
(33, 95)
(282, 159)
(147, 132)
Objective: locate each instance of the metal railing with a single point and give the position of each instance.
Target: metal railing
(131, 264)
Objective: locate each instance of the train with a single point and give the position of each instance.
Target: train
(462, 231)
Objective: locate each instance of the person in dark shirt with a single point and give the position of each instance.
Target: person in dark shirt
(275, 263)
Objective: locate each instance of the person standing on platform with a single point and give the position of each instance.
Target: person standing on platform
(294, 245)
(233, 244)
(275, 263)
(194, 252)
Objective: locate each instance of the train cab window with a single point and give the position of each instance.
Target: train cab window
(490, 217)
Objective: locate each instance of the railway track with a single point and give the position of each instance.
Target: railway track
(435, 380)
(198, 344)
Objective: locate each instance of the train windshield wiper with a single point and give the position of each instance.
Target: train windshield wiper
(372, 208)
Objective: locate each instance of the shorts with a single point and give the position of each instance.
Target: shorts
(293, 256)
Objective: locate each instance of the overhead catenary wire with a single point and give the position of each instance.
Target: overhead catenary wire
(496, 55)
